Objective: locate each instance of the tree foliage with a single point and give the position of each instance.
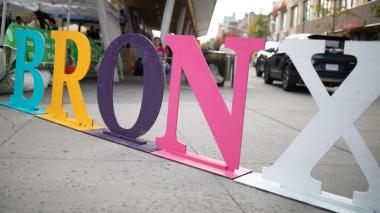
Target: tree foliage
(259, 27)
(209, 45)
(376, 10)
(335, 12)
(220, 39)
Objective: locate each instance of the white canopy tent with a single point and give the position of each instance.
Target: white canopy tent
(86, 10)
(79, 8)
(108, 16)
(76, 10)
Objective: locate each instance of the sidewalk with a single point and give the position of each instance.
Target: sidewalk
(45, 167)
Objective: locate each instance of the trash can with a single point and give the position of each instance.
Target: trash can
(221, 65)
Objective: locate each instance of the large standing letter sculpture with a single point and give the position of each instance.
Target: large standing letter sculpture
(55, 111)
(291, 174)
(225, 126)
(152, 95)
(17, 100)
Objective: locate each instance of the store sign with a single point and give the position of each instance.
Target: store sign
(352, 25)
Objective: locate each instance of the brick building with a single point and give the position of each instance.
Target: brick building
(355, 18)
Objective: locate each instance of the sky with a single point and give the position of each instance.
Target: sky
(240, 7)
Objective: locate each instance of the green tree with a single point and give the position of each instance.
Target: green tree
(376, 10)
(259, 27)
(220, 39)
(333, 9)
(209, 45)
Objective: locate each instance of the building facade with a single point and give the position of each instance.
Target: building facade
(229, 25)
(243, 24)
(354, 18)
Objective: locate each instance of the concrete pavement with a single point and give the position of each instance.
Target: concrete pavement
(45, 167)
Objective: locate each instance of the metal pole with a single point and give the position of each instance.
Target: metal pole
(167, 17)
(106, 39)
(68, 14)
(4, 17)
(187, 28)
(128, 22)
(181, 21)
(102, 15)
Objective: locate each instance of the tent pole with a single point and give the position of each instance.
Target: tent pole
(68, 14)
(4, 17)
(106, 38)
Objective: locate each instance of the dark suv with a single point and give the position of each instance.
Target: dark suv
(332, 66)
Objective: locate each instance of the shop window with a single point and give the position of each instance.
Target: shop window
(294, 16)
(347, 4)
(283, 21)
(307, 10)
(324, 7)
(274, 26)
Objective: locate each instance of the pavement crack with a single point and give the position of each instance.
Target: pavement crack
(291, 127)
(273, 119)
(15, 131)
(229, 194)
(189, 144)
(13, 125)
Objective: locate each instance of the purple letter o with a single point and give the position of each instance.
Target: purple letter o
(153, 86)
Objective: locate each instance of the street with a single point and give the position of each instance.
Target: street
(45, 167)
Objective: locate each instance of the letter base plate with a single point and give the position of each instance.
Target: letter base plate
(323, 200)
(145, 146)
(203, 163)
(35, 111)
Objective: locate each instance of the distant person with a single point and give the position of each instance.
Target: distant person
(34, 21)
(18, 20)
(169, 55)
(90, 32)
(52, 24)
(96, 34)
(158, 44)
(165, 54)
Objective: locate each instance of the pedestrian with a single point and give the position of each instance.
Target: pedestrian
(168, 59)
(52, 24)
(34, 21)
(18, 20)
(158, 44)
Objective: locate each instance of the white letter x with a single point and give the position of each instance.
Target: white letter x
(335, 118)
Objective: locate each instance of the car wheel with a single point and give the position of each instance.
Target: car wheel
(288, 81)
(258, 67)
(267, 78)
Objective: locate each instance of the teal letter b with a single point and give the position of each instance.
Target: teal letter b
(17, 100)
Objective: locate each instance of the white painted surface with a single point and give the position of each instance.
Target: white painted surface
(336, 118)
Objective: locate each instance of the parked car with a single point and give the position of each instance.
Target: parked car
(262, 55)
(332, 66)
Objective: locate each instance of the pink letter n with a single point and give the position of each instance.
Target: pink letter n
(226, 127)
